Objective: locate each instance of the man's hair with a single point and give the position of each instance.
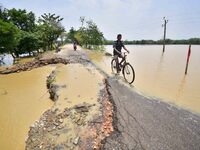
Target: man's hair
(119, 35)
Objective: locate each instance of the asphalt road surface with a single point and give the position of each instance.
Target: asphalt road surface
(144, 123)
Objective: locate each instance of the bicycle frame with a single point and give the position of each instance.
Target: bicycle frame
(124, 57)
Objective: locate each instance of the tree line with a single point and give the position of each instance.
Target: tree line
(21, 32)
(159, 42)
(88, 35)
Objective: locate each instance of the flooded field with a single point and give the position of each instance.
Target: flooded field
(162, 75)
(23, 99)
(7, 60)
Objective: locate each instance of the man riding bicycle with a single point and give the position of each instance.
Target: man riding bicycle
(117, 47)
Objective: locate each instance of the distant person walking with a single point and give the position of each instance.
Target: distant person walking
(75, 45)
(117, 47)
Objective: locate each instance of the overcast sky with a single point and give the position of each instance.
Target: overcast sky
(134, 19)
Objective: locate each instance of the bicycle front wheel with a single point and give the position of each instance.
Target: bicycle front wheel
(128, 73)
(114, 66)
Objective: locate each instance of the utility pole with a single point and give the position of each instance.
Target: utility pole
(188, 59)
(165, 26)
(82, 19)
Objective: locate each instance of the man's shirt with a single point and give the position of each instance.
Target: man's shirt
(118, 45)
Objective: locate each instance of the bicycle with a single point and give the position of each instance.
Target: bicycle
(127, 70)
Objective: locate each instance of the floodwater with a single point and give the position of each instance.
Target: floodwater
(162, 75)
(7, 60)
(23, 99)
(78, 84)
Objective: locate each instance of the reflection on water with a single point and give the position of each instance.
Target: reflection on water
(162, 74)
(23, 98)
(181, 87)
(159, 68)
(6, 60)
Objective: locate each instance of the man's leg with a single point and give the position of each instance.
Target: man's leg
(121, 60)
(117, 63)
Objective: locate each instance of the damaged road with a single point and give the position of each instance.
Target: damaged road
(81, 116)
(144, 123)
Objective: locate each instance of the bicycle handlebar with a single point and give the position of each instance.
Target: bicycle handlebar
(126, 52)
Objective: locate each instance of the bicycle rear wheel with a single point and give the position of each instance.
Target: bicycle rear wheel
(128, 73)
(114, 66)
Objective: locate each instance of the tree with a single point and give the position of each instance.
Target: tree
(50, 19)
(19, 32)
(3, 13)
(8, 37)
(71, 34)
(81, 37)
(28, 42)
(95, 37)
(50, 28)
(89, 36)
(194, 41)
(23, 20)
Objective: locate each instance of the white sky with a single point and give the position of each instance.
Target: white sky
(134, 19)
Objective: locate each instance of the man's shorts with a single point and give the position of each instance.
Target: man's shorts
(118, 55)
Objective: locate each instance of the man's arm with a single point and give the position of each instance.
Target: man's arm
(125, 48)
(117, 51)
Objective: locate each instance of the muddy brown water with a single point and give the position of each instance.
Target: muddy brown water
(80, 84)
(162, 75)
(23, 99)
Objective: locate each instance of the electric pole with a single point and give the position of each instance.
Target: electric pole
(165, 26)
(82, 19)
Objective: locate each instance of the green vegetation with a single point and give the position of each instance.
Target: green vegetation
(8, 37)
(20, 32)
(50, 80)
(168, 41)
(50, 29)
(88, 35)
